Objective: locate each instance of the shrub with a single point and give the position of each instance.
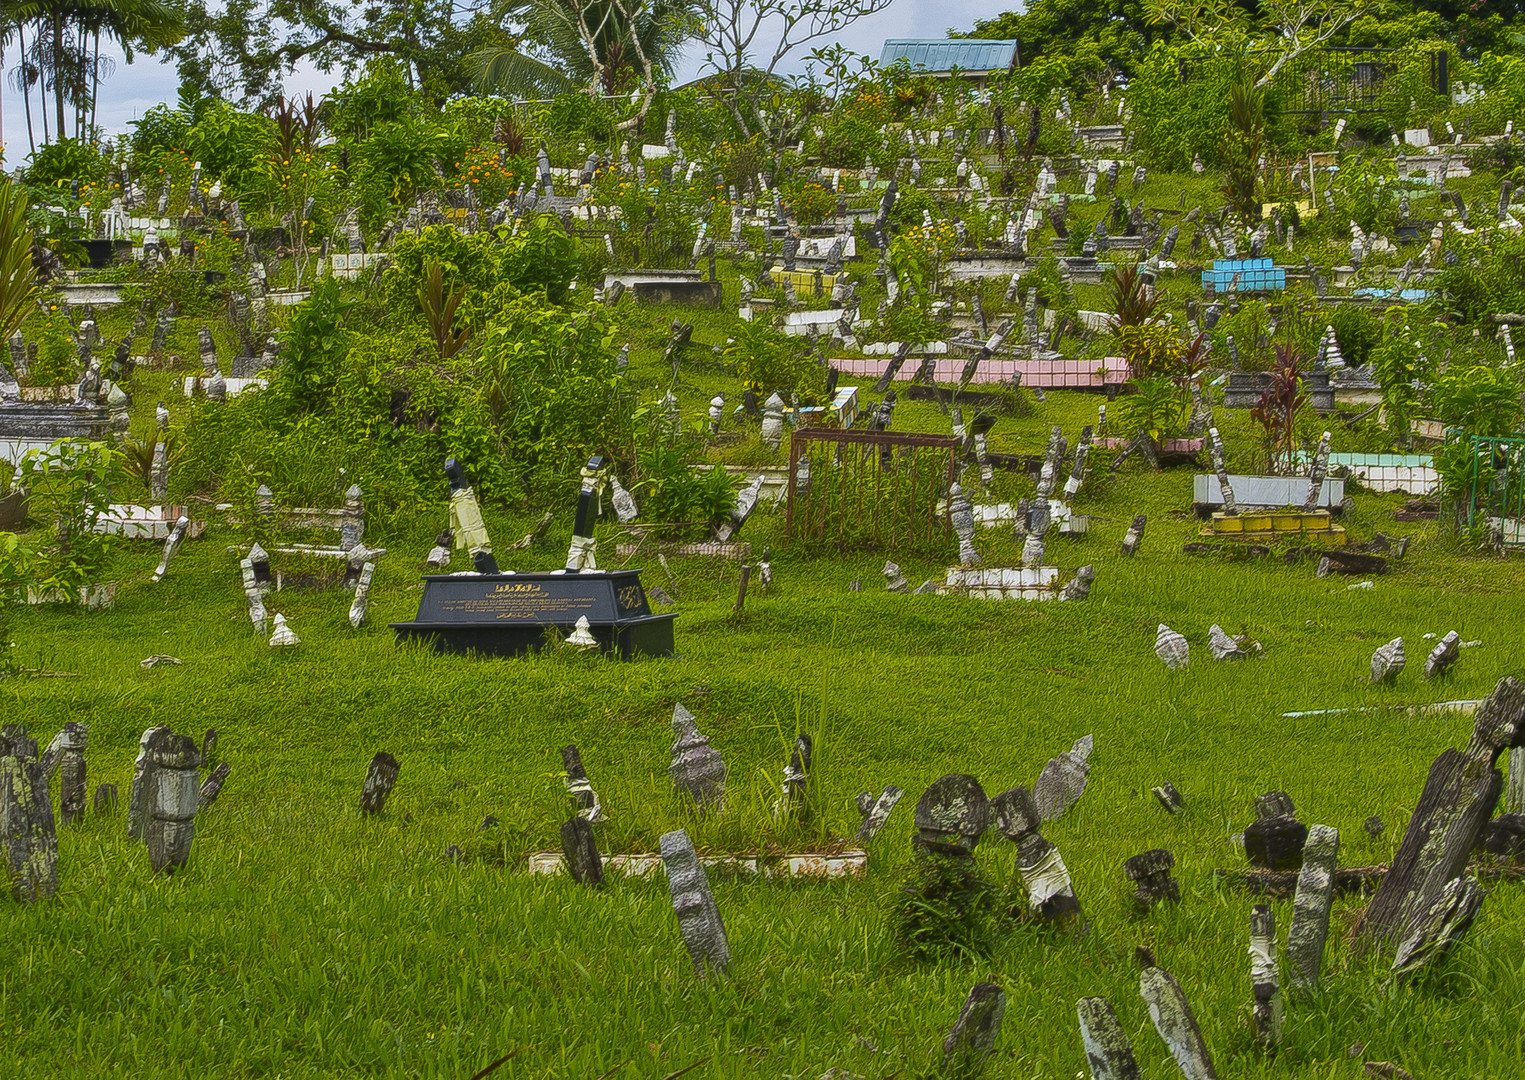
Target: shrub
(769, 360)
(59, 163)
(234, 146)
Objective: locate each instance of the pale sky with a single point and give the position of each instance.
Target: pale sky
(138, 87)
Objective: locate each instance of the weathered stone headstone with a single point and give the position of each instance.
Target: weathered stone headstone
(1050, 892)
(171, 547)
(1172, 1017)
(580, 849)
(579, 787)
(1274, 840)
(1437, 929)
(1220, 467)
(1135, 534)
(1063, 780)
(699, 918)
(283, 636)
(697, 769)
(361, 603)
(1222, 646)
(1171, 648)
(380, 777)
(1168, 797)
(876, 812)
(1109, 1054)
(1079, 586)
(1265, 978)
(796, 776)
(1152, 880)
(211, 787)
(142, 783)
(1310, 907)
(951, 815)
(27, 829)
(105, 798)
(1443, 656)
(1387, 661)
(894, 580)
(67, 750)
(171, 824)
(1459, 796)
(974, 1034)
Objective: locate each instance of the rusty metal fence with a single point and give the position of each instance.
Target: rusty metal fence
(869, 489)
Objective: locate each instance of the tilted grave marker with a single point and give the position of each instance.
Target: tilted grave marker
(1310, 907)
(699, 918)
(1109, 1054)
(973, 1036)
(380, 778)
(1459, 796)
(1172, 1017)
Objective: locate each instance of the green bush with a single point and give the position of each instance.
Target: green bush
(767, 360)
(234, 146)
(540, 257)
(59, 163)
(1357, 329)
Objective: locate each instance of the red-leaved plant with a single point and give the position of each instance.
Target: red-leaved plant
(1279, 406)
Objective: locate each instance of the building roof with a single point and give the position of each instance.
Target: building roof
(944, 54)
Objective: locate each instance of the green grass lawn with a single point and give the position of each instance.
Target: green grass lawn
(303, 940)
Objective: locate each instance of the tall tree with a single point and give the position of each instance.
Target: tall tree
(602, 46)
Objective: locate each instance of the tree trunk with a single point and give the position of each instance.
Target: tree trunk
(26, 91)
(58, 86)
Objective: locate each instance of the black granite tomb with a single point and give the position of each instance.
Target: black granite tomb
(510, 614)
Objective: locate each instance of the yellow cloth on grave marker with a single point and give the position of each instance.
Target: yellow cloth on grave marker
(466, 522)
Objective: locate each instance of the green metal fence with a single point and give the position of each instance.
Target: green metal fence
(1497, 498)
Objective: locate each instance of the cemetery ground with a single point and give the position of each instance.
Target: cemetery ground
(305, 939)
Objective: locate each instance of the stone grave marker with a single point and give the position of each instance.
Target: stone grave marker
(211, 787)
(974, 1034)
(27, 828)
(1109, 1054)
(1459, 796)
(951, 815)
(1265, 978)
(1153, 883)
(142, 788)
(1063, 780)
(1443, 656)
(380, 777)
(579, 787)
(697, 769)
(1274, 840)
(1387, 661)
(580, 849)
(1171, 648)
(1310, 907)
(875, 812)
(1437, 930)
(699, 918)
(176, 796)
(1172, 1017)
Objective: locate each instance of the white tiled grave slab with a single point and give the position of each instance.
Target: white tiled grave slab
(1265, 490)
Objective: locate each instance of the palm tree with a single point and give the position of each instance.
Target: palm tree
(65, 52)
(601, 46)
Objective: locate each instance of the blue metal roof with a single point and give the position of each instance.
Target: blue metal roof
(944, 54)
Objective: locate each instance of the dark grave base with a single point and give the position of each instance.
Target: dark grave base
(510, 614)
